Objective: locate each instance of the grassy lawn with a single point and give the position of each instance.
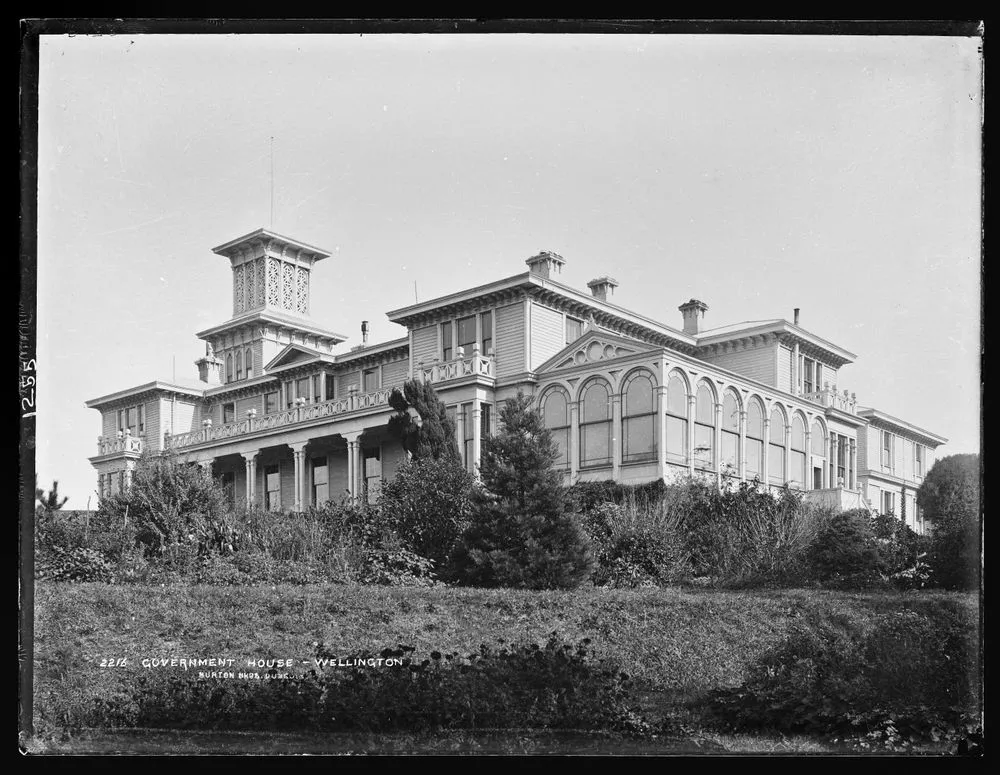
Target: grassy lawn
(677, 644)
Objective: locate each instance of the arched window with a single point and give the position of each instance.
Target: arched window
(704, 428)
(797, 474)
(229, 367)
(595, 424)
(239, 364)
(776, 448)
(555, 415)
(755, 440)
(677, 425)
(249, 360)
(817, 447)
(730, 453)
(638, 419)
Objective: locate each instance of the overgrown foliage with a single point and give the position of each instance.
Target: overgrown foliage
(897, 680)
(521, 534)
(433, 435)
(428, 504)
(949, 498)
(556, 685)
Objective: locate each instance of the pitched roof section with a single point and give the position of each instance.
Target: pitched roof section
(882, 420)
(192, 388)
(838, 355)
(266, 235)
(294, 355)
(277, 320)
(557, 294)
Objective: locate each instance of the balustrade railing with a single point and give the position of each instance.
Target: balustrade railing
(845, 402)
(304, 413)
(108, 445)
(474, 365)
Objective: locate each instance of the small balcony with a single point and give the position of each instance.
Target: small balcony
(475, 365)
(844, 402)
(121, 443)
(303, 413)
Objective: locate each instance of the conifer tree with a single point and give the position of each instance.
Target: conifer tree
(433, 436)
(521, 534)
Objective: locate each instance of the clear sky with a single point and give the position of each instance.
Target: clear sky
(840, 175)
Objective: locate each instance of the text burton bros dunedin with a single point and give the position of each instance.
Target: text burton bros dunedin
(287, 417)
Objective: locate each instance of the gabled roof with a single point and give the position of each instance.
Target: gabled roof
(838, 355)
(593, 346)
(194, 388)
(882, 420)
(551, 292)
(296, 355)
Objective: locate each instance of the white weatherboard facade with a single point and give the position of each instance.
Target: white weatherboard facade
(287, 421)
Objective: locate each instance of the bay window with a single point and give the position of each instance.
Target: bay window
(638, 419)
(776, 448)
(755, 440)
(595, 424)
(730, 439)
(677, 424)
(555, 416)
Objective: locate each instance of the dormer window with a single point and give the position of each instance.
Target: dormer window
(239, 364)
(574, 329)
(249, 362)
(229, 367)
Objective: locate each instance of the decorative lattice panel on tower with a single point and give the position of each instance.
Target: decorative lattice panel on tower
(258, 296)
(288, 287)
(273, 281)
(238, 289)
(251, 282)
(302, 297)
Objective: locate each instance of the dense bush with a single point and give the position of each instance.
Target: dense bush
(58, 564)
(846, 552)
(903, 553)
(433, 435)
(637, 543)
(949, 498)
(169, 504)
(521, 534)
(428, 504)
(900, 679)
(551, 686)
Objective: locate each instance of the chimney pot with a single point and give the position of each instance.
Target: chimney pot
(364, 332)
(602, 287)
(545, 264)
(796, 316)
(693, 311)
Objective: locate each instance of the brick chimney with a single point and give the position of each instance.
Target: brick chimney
(209, 367)
(603, 287)
(693, 312)
(545, 264)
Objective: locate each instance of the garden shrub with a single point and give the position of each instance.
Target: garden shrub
(903, 554)
(555, 685)
(78, 564)
(950, 499)
(638, 544)
(428, 504)
(846, 553)
(905, 678)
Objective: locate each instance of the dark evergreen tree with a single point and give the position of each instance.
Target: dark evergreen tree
(433, 435)
(949, 499)
(521, 533)
(49, 501)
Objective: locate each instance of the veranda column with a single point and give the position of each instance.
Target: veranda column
(716, 445)
(808, 473)
(299, 456)
(477, 429)
(766, 456)
(854, 460)
(833, 460)
(743, 446)
(130, 469)
(574, 441)
(250, 462)
(692, 403)
(616, 437)
(353, 444)
(661, 429)
(460, 434)
(787, 473)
